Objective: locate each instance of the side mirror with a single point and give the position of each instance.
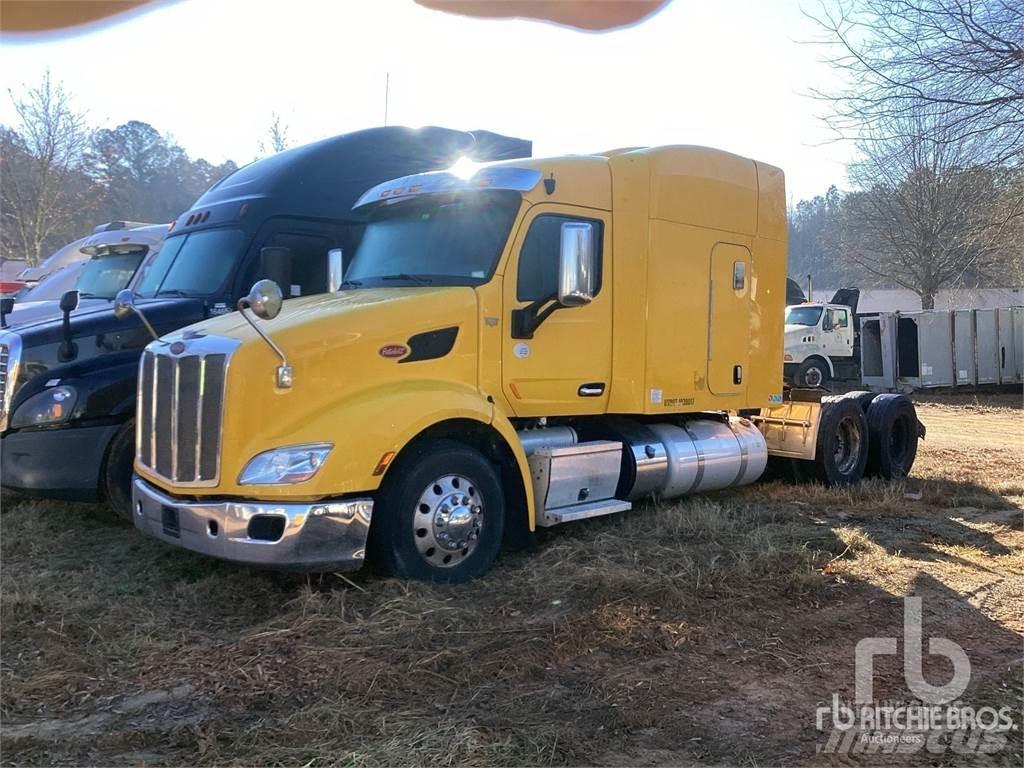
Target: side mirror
(264, 299)
(335, 269)
(576, 267)
(6, 307)
(124, 305)
(69, 301)
(826, 321)
(276, 264)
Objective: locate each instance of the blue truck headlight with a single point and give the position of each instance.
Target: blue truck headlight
(51, 406)
(289, 465)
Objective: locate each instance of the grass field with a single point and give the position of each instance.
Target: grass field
(704, 631)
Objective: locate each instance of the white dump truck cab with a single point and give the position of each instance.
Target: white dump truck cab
(819, 346)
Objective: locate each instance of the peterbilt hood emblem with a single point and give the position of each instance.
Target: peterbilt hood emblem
(177, 347)
(393, 350)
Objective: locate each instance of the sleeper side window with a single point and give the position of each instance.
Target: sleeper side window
(538, 259)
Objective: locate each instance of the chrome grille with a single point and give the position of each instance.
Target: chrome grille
(181, 408)
(10, 357)
(5, 355)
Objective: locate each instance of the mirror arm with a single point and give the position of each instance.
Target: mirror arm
(68, 350)
(284, 371)
(145, 322)
(528, 319)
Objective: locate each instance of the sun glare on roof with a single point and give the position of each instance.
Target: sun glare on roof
(464, 168)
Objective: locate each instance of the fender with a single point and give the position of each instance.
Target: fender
(106, 387)
(364, 427)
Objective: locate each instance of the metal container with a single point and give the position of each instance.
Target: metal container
(705, 455)
(963, 348)
(1007, 347)
(571, 475)
(878, 350)
(986, 345)
(546, 437)
(1018, 339)
(925, 348)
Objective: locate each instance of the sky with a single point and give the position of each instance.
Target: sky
(733, 74)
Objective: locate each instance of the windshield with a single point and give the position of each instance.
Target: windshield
(106, 274)
(434, 240)
(194, 264)
(803, 316)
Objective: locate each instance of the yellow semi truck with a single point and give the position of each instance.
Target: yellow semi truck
(518, 344)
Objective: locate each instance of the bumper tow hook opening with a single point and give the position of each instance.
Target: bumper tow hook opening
(211, 528)
(266, 527)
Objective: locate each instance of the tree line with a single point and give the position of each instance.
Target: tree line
(932, 95)
(60, 177)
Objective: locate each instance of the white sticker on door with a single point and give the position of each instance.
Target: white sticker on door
(521, 350)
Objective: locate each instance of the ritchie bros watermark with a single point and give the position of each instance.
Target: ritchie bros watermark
(934, 720)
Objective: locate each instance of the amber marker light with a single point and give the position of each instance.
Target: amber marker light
(382, 465)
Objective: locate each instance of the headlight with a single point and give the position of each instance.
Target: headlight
(52, 406)
(294, 464)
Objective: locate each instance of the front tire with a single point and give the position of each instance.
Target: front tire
(812, 373)
(440, 514)
(117, 472)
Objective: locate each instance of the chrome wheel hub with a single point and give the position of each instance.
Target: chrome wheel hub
(448, 519)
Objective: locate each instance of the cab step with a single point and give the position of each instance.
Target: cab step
(582, 511)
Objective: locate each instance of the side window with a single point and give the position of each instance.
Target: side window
(844, 320)
(308, 263)
(538, 260)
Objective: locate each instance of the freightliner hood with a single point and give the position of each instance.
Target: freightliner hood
(100, 341)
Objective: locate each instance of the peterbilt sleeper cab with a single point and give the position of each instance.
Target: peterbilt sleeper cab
(522, 344)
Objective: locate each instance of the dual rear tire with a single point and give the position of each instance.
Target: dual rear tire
(861, 434)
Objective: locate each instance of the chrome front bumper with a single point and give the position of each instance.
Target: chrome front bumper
(314, 536)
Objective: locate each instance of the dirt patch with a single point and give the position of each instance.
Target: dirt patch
(706, 631)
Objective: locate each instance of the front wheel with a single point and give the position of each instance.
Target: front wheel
(440, 514)
(812, 373)
(117, 472)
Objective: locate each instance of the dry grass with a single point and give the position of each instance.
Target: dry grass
(701, 631)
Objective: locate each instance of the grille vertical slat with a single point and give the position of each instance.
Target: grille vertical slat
(180, 413)
(212, 410)
(164, 377)
(5, 355)
(188, 415)
(146, 433)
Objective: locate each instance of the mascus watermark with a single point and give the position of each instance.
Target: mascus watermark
(935, 721)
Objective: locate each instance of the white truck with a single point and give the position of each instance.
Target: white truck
(822, 341)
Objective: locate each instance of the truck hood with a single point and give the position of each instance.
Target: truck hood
(345, 349)
(100, 340)
(32, 311)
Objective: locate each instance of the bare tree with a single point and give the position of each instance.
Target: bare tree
(277, 137)
(43, 190)
(928, 215)
(963, 56)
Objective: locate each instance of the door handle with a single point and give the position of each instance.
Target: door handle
(593, 389)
